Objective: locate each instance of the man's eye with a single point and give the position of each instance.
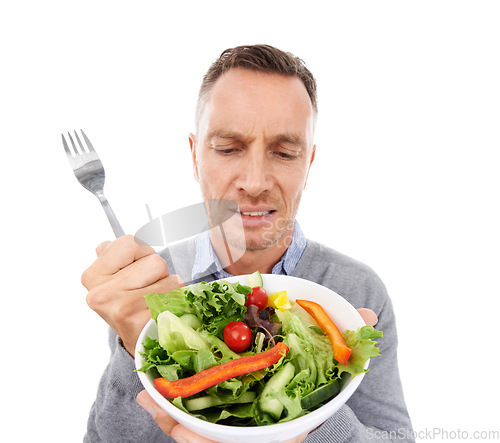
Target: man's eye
(285, 155)
(225, 151)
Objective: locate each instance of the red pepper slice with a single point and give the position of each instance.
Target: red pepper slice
(185, 387)
(340, 351)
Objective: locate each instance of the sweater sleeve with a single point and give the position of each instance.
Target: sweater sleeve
(376, 411)
(115, 415)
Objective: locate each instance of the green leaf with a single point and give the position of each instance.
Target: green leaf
(351, 338)
(170, 372)
(204, 359)
(238, 413)
(363, 348)
(174, 301)
(185, 358)
(175, 335)
(308, 349)
(154, 355)
(291, 402)
(218, 303)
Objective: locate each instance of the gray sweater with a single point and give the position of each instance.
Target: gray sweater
(376, 411)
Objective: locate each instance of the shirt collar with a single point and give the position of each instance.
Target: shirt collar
(206, 261)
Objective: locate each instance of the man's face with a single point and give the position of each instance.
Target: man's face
(255, 146)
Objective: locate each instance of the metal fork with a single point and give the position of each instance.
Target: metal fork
(89, 171)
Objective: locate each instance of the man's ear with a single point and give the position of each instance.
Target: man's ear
(310, 163)
(192, 145)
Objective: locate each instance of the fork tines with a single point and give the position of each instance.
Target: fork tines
(88, 148)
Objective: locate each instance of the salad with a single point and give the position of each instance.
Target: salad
(232, 354)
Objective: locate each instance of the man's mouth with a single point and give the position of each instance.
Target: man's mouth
(255, 213)
(256, 216)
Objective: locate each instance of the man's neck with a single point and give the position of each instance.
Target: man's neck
(262, 260)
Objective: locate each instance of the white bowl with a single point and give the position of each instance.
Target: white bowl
(343, 314)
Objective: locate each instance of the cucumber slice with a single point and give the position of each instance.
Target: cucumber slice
(267, 402)
(255, 279)
(197, 404)
(319, 395)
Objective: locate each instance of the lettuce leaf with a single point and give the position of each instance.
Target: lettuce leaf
(218, 303)
(174, 334)
(215, 304)
(155, 357)
(308, 350)
(363, 348)
(174, 301)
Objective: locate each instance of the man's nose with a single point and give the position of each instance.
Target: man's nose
(255, 177)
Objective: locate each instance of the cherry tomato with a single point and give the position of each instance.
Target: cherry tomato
(257, 297)
(237, 335)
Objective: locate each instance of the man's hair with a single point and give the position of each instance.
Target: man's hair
(262, 58)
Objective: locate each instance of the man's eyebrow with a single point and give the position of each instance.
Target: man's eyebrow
(280, 138)
(223, 133)
(289, 138)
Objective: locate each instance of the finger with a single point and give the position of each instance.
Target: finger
(133, 303)
(162, 419)
(101, 247)
(166, 284)
(120, 253)
(369, 317)
(142, 272)
(181, 433)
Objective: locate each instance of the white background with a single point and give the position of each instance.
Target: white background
(406, 176)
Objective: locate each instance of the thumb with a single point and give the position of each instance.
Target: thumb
(162, 419)
(369, 317)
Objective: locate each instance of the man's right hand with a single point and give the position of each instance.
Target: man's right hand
(117, 281)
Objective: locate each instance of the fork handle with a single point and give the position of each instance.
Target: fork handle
(113, 221)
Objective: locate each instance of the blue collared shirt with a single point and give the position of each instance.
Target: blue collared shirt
(206, 261)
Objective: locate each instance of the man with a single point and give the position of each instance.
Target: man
(253, 145)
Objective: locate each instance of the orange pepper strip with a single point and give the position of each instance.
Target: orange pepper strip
(185, 387)
(340, 351)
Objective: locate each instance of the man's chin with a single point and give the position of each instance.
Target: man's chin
(260, 241)
(254, 246)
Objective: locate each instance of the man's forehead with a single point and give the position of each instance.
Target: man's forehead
(252, 95)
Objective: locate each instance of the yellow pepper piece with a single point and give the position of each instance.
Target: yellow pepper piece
(279, 300)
